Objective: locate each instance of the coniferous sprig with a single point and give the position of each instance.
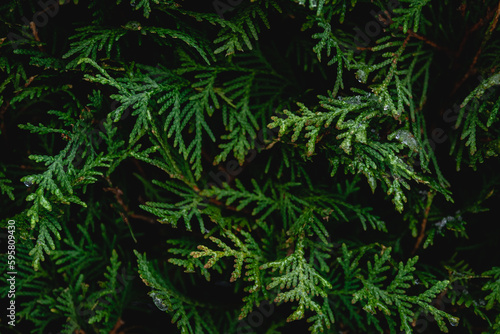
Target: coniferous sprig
(394, 171)
(33, 92)
(5, 186)
(493, 298)
(248, 257)
(188, 108)
(479, 111)
(303, 283)
(42, 59)
(77, 257)
(241, 100)
(411, 17)
(90, 40)
(239, 31)
(185, 313)
(110, 295)
(263, 204)
(174, 85)
(57, 184)
(78, 303)
(188, 105)
(328, 41)
(184, 248)
(145, 5)
(188, 208)
(394, 297)
(36, 286)
(94, 308)
(48, 224)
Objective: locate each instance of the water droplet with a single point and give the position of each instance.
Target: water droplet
(417, 282)
(313, 3)
(454, 321)
(406, 138)
(386, 107)
(29, 182)
(359, 125)
(443, 222)
(159, 303)
(132, 3)
(361, 76)
(353, 99)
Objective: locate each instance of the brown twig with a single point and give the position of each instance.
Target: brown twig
(139, 167)
(35, 34)
(430, 197)
(472, 70)
(468, 32)
(388, 20)
(126, 211)
(118, 325)
(150, 220)
(428, 41)
(118, 196)
(30, 80)
(206, 156)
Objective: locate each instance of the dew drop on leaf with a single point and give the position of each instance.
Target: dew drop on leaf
(29, 182)
(361, 76)
(454, 321)
(159, 303)
(406, 138)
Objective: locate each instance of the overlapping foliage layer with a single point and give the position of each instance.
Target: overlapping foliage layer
(252, 166)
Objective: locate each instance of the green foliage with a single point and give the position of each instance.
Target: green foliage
(189, 316)
(394, 296)
(5, 186)
(61, 293)
(482, 106)
(304, 283)
(287, 161)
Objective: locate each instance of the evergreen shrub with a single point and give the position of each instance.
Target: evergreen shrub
(250, 166)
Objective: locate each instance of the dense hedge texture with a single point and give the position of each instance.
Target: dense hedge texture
(250, 166)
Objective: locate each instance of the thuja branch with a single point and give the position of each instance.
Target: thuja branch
(387, 20)
(430, 197)
(472, 69)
